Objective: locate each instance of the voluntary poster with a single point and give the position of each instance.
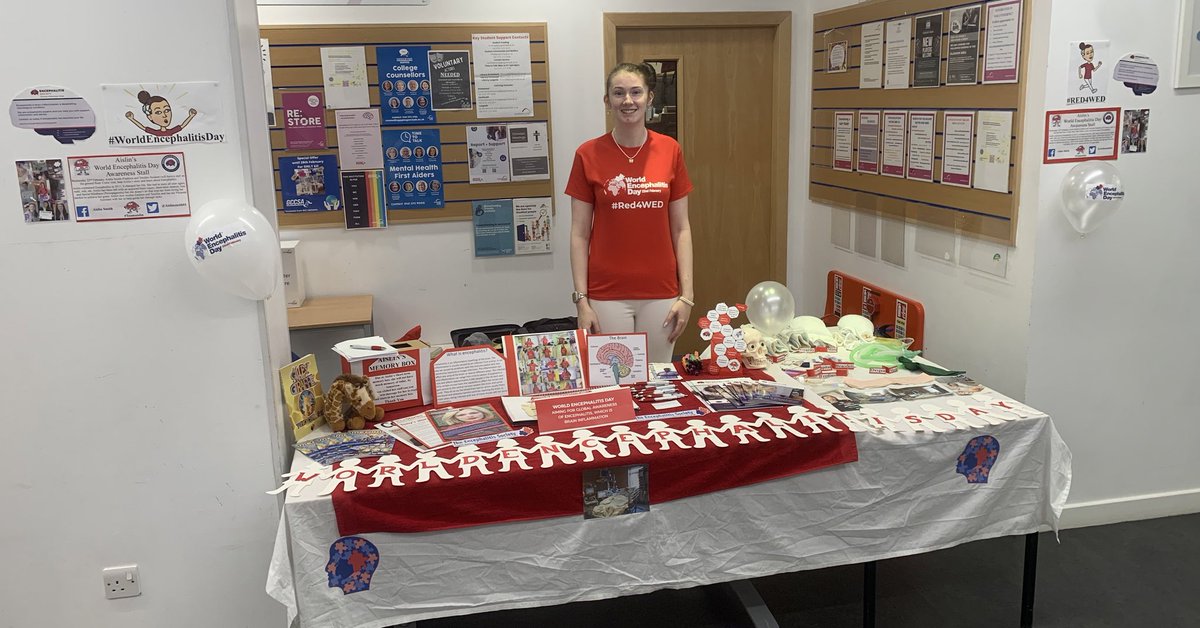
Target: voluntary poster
(302, 395)
(493, 222)
(43, 191)
(160, 115)
(962, 57)
(264, 52)
(1002, 48)
(837, 57)
(503, 75)
(957, 147)
(617, 359)
(533, 219)
(54, 111)
(868, 142)
(993, 146)
(1086, 83)
(898, 54)
(921, 125)
(927, 63)
(895, 127)
(414, 168)
(1081, 135)
(528, 151)
(359, 139)
(310, 183)
(344, 69)
(118, 187)
(1135, 130)
(362, 196)
(870, 71)
(304, 120)
(487, 153)
(843, 140)
(450, 79)
(468, 374)
(404, 85)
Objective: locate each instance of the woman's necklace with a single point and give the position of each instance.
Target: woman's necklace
(639, 150)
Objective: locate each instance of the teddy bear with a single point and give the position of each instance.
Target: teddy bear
(351, 403)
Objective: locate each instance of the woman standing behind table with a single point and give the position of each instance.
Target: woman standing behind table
(631, 244)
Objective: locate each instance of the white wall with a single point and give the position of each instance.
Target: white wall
(139, 424)
(427, 274)
(1126, 294)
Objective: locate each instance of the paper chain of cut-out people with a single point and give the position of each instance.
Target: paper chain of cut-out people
(470, 460)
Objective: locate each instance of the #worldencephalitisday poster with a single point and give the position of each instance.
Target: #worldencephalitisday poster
(160, 115)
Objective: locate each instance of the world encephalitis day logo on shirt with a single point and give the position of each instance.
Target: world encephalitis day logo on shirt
(634, 186)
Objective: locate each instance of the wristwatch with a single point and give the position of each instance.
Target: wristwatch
(576, 297)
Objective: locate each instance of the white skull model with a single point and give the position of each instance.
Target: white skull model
(812, 331)
(853, 330)
(755, 355)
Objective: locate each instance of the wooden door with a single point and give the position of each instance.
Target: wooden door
(732, 101)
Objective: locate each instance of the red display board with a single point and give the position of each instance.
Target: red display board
(894, 315)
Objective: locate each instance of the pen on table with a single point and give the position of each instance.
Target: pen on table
(369, 347)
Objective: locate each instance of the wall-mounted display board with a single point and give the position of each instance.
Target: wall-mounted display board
(440, 115)
(916, 108)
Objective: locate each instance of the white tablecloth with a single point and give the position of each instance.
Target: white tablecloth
(902, 497)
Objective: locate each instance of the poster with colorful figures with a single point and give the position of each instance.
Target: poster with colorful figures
(413, 167)
(310, 183)
(404, 90)
(546, 362)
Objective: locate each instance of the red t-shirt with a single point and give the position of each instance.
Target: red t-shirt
(631, 255)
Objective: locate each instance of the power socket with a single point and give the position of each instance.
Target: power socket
(122, 582)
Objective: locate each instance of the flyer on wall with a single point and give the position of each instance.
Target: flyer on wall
(1086, 83)
(303, 120)
(503, 75)
(161, 115)
(404, 85)
(870, 71)
(533, 218)
(119, 187)
(993, 148)
(487, 153)
(450, 79)
(837, 57)
(843, 140)
(1135, 130)
(898, 54)
(493, 227)
(921, 125)
(962, 57)
(895, 128)
(344, 69)
(413, 161)
(1002, 46)
(362, 195)
(359, 139)
(1081, 135)
(528, 151)
(43, 187)
(53, 111)
(310, 183)
(957, 147)
(868, 142)
(616, 359)
(927, 64)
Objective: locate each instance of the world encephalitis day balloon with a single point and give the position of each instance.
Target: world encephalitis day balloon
(1091, 192)
(233, 247)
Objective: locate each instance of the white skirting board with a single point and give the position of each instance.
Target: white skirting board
(1135, 508)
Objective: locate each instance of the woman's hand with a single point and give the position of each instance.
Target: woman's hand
(677, 318)
(588, 320)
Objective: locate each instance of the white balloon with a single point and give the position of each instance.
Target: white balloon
(233, 246)
(1091, 192)
(770, 307)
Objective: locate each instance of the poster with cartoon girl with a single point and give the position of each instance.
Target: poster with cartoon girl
(152, 115)
(1087, 77)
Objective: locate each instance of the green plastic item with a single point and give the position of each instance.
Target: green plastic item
(881, 353)
(927, 368)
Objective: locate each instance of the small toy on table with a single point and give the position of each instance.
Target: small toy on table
(351, 403)
(692, 364)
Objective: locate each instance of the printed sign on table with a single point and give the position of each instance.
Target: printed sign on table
(304, 120)
(1081, 135)
(118, 187)
(607, 406)
(413, 163)
(404, 87)
(310, 183)
(469, 374)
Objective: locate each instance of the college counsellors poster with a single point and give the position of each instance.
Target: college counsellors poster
(412, 162)
(404, 89)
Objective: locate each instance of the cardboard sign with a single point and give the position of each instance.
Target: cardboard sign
(572, 412)
(399, 376)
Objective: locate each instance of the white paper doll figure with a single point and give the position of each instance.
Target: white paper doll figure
(387, 469)
(852, 423)
(959, 420)
(814, 422)
(743, 430)
(550, 451)
(470, 460)
(666, 436)
(344, 475)
(702, 433)
(1012, 406)
(921, 423)
(508, 452)
(627, 441)
(778, 426)
(587, 444)
(294, 482)
(429, 463)
(962, 409)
